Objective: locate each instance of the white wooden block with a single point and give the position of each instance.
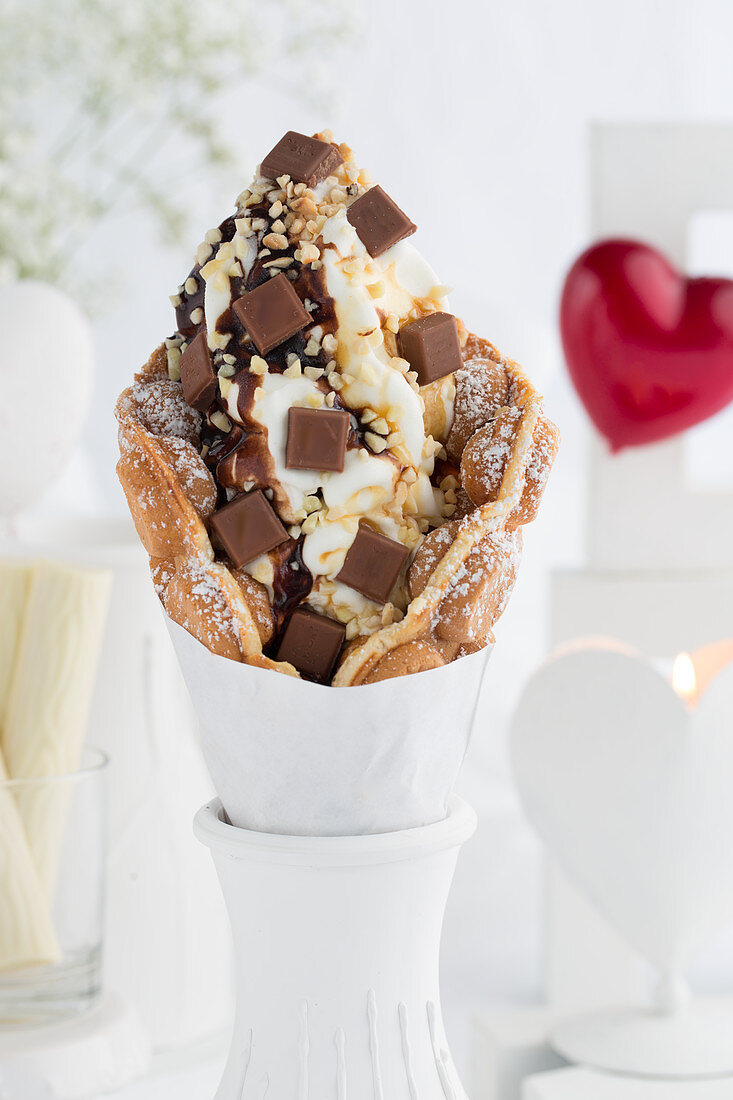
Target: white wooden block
(508, 1045)
(658, 543)
(661, 614)
(627, 203)
(642, 514)
(709, 248)
(587, 1084)
(708, 453)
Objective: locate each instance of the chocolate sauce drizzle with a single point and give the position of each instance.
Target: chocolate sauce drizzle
(292, 580)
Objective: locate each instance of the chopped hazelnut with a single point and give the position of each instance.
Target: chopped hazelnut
(375, 443)
(275, 241)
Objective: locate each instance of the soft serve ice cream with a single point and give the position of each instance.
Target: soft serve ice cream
(316, 347)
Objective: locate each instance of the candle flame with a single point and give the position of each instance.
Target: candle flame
(684, 680)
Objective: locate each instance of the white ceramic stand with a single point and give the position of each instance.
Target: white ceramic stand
(336, 943)
(692, 1041)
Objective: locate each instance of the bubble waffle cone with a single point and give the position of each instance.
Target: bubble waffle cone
(204, 428)
(171, 494)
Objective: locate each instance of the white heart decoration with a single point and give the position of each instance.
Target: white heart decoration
(46, 379)
(633, 795)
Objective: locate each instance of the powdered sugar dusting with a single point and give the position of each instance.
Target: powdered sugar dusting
(162, 572)
(471, 385)
(162, 409)
(488, 454)
(478, 591)
(192, 472)
(195, 601)
(481, 390)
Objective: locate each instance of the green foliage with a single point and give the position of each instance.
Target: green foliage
(103, 104)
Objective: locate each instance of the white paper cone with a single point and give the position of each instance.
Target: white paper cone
(287, 756)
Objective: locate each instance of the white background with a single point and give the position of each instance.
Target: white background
(474, 116)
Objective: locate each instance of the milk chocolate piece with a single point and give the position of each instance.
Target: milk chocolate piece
(378, 221)
(272, 313)
(247, 528)
(373, 564)
(431, 346)
(305, 159)
(316, 439)
(198, 376)
(312, 643)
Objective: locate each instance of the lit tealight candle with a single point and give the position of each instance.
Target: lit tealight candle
(684, 679)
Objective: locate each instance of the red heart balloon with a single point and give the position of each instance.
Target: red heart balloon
(650, 351)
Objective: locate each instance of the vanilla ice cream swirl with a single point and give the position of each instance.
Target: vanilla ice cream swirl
(348, 360)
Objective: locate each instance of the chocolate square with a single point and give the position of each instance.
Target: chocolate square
(373, 564)
(247, 528)
(378, 221)
(431, 346)
(198, 376)
(304, 159)
(312, 644)
(316, 439)
(272, 313)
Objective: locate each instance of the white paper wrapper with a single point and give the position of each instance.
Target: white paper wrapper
(287, 756)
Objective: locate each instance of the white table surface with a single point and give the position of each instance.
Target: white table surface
(197, 1079)
(192, 1075)
(587, 1084)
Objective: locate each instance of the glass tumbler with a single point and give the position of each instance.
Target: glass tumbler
(52, 883)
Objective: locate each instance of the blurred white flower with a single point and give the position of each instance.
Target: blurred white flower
(105, 103)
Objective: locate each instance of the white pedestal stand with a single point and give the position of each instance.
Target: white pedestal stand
(336, 943)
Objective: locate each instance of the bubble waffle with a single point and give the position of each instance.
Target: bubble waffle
(447, 473)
